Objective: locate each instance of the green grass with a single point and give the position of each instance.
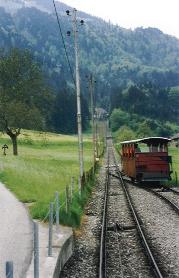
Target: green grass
(174, 152)
(45, 164)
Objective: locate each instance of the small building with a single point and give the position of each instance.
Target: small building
(101, 113)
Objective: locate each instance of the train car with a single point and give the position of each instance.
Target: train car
(146, 159)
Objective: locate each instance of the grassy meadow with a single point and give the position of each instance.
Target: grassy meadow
(174, 152)
(45, 164)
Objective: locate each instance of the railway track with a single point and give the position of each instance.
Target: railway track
(113, 261)
(122, 252)
(160, 217)
(168, 194)
(171, 200)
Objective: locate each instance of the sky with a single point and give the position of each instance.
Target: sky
(162, 14)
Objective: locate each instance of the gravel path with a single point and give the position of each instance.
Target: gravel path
(15, 235)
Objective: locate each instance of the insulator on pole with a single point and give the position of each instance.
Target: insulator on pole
(67, 12)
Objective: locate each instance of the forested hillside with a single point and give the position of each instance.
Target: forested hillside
(116, 55)
(119, 58)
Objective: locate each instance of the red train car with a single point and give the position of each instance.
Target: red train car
(146, 159)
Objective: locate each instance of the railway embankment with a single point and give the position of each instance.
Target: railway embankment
(85, 259)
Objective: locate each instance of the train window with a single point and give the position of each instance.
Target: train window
(165, 148)
(154, 148)
(158, 148)
(137, 148)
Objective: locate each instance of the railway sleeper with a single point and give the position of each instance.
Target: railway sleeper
(120, 228)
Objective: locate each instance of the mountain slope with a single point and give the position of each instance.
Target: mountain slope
(115, 55)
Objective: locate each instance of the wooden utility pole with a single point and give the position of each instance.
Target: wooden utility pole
(77, 81)
(78, 94)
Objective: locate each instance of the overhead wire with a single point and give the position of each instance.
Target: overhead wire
(63, 41)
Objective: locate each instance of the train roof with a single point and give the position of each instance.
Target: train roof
(148, 140)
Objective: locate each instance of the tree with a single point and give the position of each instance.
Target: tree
(64, 112)
(119, 118)
(125, 133)
(144, 130)
(23, 95)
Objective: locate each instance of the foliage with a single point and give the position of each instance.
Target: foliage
(73, 217)
(144, 130)
(27, 102)
(119, 118)
(122, 61)
(141, 126)
(22, 94)
(116, 56)
(174, 152)
(124, 133)
(148, 100)
(64, 112)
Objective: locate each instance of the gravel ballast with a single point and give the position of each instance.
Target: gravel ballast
(162, 226)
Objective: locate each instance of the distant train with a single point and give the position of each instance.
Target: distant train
(146, 159)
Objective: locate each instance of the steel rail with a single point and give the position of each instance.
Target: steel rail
(168, 201)
(102, 259)
(174, 191)
(139, 228)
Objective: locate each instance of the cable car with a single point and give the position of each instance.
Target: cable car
(146, 159)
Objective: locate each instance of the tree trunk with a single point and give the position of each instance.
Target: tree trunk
(13, 135)
(14, 143)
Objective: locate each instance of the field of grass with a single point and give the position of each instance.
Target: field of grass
(174, 152)
(45, 164)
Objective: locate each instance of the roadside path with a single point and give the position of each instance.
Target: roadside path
(16, 242)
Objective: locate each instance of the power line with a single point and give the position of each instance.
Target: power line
(63, 41)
